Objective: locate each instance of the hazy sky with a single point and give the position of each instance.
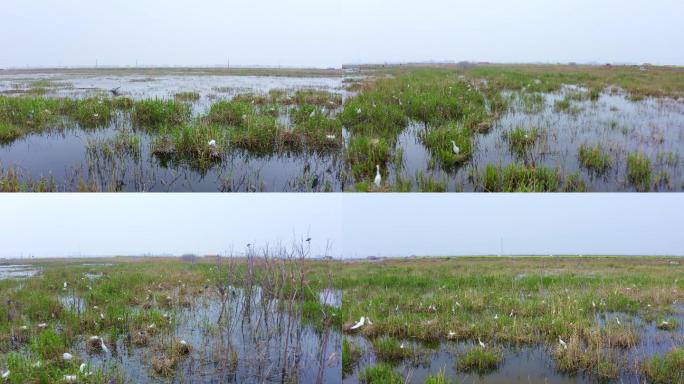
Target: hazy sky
(357, 225)
(330, 33)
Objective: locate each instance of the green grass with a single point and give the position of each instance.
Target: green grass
(439, 141)
(438, 378)
(351, 354)
(521, 140)
(515, 300)
(380, 374)
(532, 102)
(190, 143)
(317, 97)
(364, 153)
(154, 113)
(390, 349)
(519, 178)
(426, 183)
(93, 112)
(665, 369)
(479, 360)
(639, 172)
(316, 128)
(230, 113)
(9, 133)
(594, 158)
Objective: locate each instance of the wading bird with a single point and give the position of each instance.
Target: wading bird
(455, 147)
(6, 374)
(378, 178)
(67, 356)
(562, 343)
(359, 323)
(212, 143)
(481, 343)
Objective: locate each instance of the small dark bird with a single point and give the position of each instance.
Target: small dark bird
(314, 183)
(308, 239)
(115, 91)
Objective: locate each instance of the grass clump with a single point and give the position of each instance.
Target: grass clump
(258, 133)
(480, 360)
(190, 143)
(521, 140)
(440, 142)
(9, 133)
(230, 113)
(351, 354)
(380, 374)
(519, 178)
(532, 102)
(92, 112)
(438, 378)
(594, 159)
(427, 184)
(155, 113)
(364, 153)
(29, 112)
(667, 368)
(390, 349)
(317, 97)
(187, 96)
(639, 171)
(316, 128)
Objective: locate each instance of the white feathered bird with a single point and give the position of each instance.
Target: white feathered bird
(455, 147)
(378, 178)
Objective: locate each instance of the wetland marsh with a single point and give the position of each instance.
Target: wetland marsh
(426, 320)
(516, 128)
(248, 319)
(513, 320)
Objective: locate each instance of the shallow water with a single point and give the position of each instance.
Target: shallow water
(651, 126)
(257, 330)
(18, 271)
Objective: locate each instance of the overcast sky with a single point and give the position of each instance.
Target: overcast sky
(329, 33)
(357, 225)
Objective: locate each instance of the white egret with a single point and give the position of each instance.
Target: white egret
(455, 147)
(65, 285)
(618, 320)
(82, 368)
(330, 137)
(562, 343)
(451, 334)
(496, 316)
(402, 346)
(70, 378)
(6, 374)
(312, 113)
(378, 178)
(212, 143)
(358, 111)
(359, 323)
(42, 325)
(67, 356)
(481, 343)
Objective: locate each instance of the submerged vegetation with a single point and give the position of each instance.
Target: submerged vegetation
(594, 158)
